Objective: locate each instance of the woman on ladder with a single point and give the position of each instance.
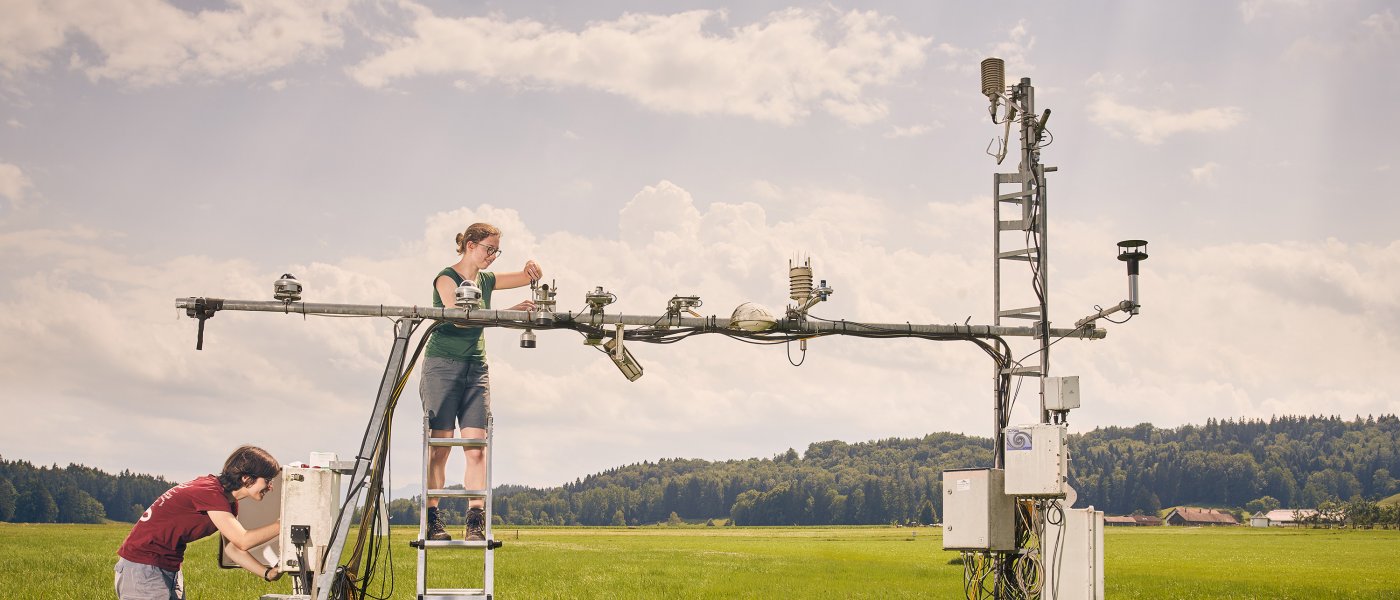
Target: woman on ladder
(456, 387)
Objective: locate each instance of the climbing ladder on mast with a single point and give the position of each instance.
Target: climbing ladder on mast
(423, 544)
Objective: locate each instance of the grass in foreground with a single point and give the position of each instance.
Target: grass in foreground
(75, 561)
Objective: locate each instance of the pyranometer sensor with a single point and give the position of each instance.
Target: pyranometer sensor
(468, 295)
(287, 289)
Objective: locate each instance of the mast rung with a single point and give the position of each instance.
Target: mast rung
(464, 442)
(457, 493)
(1018, 254)
(1030, 312)
(1018, 225)
(1027, 371)
(1012, 177)
(1016, 196)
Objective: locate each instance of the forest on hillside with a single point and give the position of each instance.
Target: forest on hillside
(1288, 462)
(73, 494)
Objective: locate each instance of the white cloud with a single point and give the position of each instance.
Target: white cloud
(777, 69)
(1383, 25)
(911, 131)
(1253, 9)
(151, 42)
(1204, 174)
(14, 123)
(1015, 49)
(14, 184)
(1153, 125)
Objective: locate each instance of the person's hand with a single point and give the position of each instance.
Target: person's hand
(527, 305)
(533, 270)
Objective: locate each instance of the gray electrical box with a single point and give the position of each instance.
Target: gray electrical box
(1062, 393)
(977, 513)
(1035, 460)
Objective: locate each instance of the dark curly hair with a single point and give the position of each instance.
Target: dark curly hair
(245, 465)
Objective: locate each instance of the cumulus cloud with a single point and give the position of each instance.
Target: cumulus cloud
(1152, 125)
(778, 69)
(152, 42)
(14, 184)
(910, 131)
(1204, 174)
(1254, 9)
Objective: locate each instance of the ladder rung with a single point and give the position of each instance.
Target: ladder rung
(466, 442)
(1018, 254)
(1030, 312)
(454, 544)
(447, 594)
(456, 493)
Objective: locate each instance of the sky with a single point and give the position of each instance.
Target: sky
(155, 149)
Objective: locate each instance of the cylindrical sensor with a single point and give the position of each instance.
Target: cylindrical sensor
(800, 281)
(993, 77)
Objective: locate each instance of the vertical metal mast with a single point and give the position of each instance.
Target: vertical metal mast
(1028, 194)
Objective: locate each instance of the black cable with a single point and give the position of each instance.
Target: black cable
(788, 350)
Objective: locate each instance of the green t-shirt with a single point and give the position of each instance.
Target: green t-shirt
(461, 343)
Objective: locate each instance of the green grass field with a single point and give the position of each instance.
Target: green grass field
(75, 561)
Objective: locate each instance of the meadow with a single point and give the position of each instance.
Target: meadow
(75, 561)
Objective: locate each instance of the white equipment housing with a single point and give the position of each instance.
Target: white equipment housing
(301, 495)
(1062, 393)
(977, 515)
(310, 498)
(1073, 555)
(1035, 460)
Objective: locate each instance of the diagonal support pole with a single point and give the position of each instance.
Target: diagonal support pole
(403, 329)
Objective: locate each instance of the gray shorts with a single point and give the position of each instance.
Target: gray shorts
(135, 581)
(455, 393)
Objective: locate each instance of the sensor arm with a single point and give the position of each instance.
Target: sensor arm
(1125, 305)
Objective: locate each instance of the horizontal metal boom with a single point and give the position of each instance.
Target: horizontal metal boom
(519, 319)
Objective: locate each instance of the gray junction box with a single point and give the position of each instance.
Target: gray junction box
(977, 513)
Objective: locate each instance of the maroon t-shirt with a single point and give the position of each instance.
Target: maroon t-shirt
(175, 519)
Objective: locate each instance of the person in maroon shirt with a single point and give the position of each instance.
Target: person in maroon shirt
(148, 563)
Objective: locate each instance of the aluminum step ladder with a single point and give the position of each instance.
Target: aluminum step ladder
(488, 546)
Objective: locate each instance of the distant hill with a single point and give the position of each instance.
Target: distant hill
(1296, 461)
(1289, 462)
(73, 494)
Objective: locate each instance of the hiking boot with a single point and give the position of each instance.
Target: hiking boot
(476, 525)
(436, 531)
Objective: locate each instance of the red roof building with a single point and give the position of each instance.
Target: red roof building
(1196, 517)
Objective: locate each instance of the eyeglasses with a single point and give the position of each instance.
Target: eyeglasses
(490, 250)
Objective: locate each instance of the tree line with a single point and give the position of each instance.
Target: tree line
(1247, 465)
(73, 494)
(1296, 461)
